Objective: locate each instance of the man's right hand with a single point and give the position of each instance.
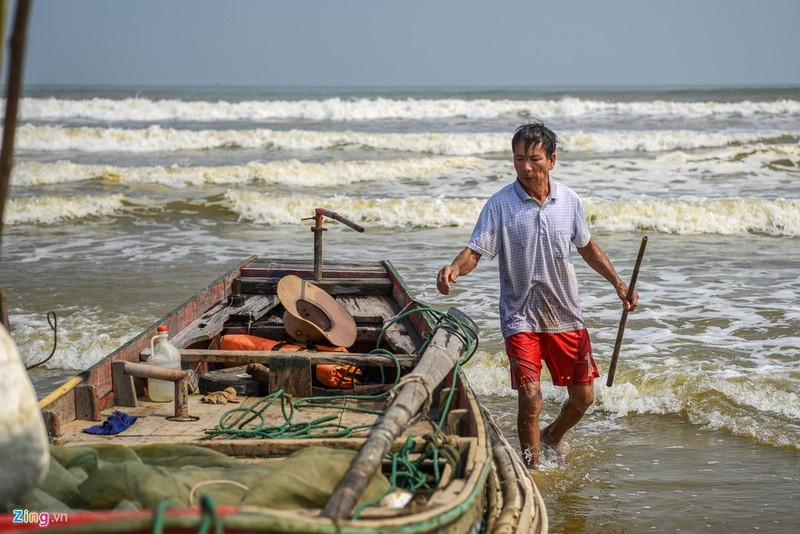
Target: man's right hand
(447, 275)
(462, 265)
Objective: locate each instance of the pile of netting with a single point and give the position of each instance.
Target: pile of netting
(107, 476)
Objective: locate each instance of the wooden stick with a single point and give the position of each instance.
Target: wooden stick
(4, 310)
(612, 367)
(13, 89)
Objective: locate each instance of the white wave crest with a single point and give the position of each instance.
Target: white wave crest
(272, 209)
(371, 109)
(290, 172)
(780, 217)
(161, 139)
(52, 209)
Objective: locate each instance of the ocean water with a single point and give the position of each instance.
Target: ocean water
(126, 201)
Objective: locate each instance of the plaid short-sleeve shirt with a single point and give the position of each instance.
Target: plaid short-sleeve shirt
(538, 287)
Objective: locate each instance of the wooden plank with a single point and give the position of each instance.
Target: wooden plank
(370, 309)
(211, 323)
(86, 402)
(397, 335)
(291, 374)
(52, 422)
(278, 268)
(61, 411)
(336, 287)
(254, 308)
(266, 357)
(124, 390)
(259, 448)
(364, 334)
(456, 420)
(327, 274)
(101, 379)
(203, 328)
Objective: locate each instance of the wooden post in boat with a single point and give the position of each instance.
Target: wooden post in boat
(178, 377)
(435, 364)
(318, 229)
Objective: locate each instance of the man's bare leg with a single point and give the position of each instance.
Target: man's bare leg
(580, 398)
(529, 406)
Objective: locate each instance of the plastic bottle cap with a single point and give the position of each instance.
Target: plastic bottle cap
(162, 328)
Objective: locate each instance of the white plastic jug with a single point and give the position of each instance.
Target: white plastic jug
(162, 354)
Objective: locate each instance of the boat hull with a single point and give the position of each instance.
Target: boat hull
(421, 403)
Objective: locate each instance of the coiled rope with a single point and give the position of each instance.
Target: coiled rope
(406, 474)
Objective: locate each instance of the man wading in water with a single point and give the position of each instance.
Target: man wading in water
(529, 225)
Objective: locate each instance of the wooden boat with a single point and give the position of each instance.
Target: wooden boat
(413, 421)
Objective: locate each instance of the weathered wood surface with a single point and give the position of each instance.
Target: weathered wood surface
(254, 308)
(292, 374)
(86, 402)
(436, 362)
(365, 335)
(60, 404)
(264, 357)
(124, 390)
(520, 507)
(152, 424)
(212, 322)
(305, 269)
(261, 447)
(334, 286)
(378, 310)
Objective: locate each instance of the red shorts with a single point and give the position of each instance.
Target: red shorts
(568, 356)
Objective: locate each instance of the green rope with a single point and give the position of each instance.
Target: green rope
(159, 517)
(235, 427)
(334, 401)
(406, 473)
(209, 517)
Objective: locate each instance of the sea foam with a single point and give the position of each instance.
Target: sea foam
(51, 209)
(375, 109)
(165, 139)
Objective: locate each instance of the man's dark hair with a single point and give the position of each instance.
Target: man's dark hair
(535, 133)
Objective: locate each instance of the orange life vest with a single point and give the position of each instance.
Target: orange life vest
(332, 375)
(339, 376)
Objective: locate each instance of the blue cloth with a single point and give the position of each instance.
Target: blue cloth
(116, 423)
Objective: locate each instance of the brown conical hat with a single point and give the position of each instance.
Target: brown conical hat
(313, 314)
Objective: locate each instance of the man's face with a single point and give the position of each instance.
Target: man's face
(533, 166)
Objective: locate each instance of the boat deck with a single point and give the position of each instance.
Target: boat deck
(153, 423)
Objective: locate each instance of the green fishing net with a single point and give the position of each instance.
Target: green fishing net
(106, 476)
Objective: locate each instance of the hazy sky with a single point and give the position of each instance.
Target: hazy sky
(414, 42)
